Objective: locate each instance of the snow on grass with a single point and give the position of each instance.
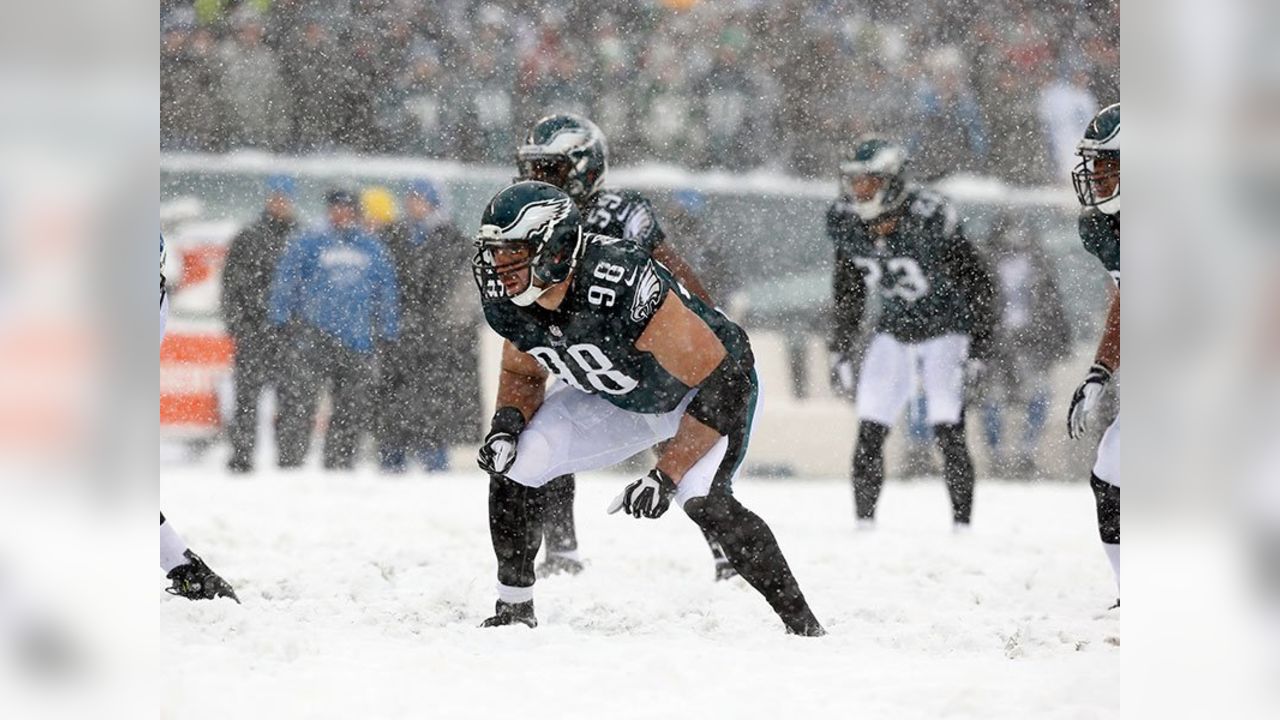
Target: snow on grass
(362, 594)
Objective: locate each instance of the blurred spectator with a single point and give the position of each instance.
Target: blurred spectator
(310, 62)
(684, 219)
(950, 132)
(732, 84)
(246, 284)
(1033, 336)
(335, 289)
(192, 114)
(429, 394)
(1066, 106)
(253, 88)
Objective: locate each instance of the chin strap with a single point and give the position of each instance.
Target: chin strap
(528, 296)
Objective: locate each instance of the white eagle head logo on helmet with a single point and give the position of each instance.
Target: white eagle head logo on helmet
(529, 225)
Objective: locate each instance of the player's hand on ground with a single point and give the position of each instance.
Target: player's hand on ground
(649, 497)
(1085, 399)
(843, 375)
(498, 453)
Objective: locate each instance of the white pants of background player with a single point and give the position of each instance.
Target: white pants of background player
(1107, 469)
(890, 371)
(574, 432)
(1107, 466)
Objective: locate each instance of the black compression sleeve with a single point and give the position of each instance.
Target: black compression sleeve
(848, 298)
(721, 402)
(980, 293)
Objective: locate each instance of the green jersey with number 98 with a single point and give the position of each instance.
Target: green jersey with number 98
(929, 278)
(589, 342)
(1100, 235)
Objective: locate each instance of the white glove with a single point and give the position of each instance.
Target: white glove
(1085, 399)
(498, 453)
(843, 374)
(650, 496)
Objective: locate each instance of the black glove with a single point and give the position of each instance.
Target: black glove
(498, 452)
(650, 496)
(1085, 399)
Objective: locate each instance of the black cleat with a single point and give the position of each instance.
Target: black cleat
(195, 581)
(506, 613)
(1116, 606)
(559, 565)
(809, 629)
(803, 623)
(725, 571)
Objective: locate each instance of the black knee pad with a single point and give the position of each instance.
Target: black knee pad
(1107, 497)
(711, 512)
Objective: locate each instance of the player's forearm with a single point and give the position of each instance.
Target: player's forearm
(522, 392)
(692, 441)
(1109, 347)
(849, 302)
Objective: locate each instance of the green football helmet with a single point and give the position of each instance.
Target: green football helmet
(567, 151)
(532, 215)
(875, 156)
(1100, 187)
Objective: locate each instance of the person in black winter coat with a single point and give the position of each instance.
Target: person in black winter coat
(429, 392)
(246, 283)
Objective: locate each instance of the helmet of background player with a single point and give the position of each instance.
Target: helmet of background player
(567, 151)
(1097, 176)
(873, 176)
(530, 239)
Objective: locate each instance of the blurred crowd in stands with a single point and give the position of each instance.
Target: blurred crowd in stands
(994, 87)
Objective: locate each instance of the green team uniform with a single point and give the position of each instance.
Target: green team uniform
(1100, 235)
(589, 341)
(929, 277)
(624, 214)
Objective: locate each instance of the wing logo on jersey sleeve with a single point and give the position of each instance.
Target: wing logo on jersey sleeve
(648, 295)
(639, 224)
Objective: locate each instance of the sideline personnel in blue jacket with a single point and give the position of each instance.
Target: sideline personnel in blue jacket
(335, 290)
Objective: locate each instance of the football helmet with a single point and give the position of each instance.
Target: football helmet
(1099, 187)
(538, 217)
(567, 151)
(877, 157)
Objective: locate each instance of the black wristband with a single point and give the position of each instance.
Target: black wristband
(665, 483)
(507, 419)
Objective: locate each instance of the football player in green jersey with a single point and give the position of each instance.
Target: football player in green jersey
(1097, 182)
(638, 360)
(570, 152)
(904, 243)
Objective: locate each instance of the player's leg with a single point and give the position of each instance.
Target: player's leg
(1106, 492)
(249, 375)
(351, 405)
(942, 373)
(571, 431)
(706, 495)
(884, 387)
(299, 392)
(191, 578)
(558, 528)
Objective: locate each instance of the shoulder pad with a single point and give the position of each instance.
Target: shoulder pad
(933, 208)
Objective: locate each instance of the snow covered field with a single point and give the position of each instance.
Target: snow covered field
(362, 594)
